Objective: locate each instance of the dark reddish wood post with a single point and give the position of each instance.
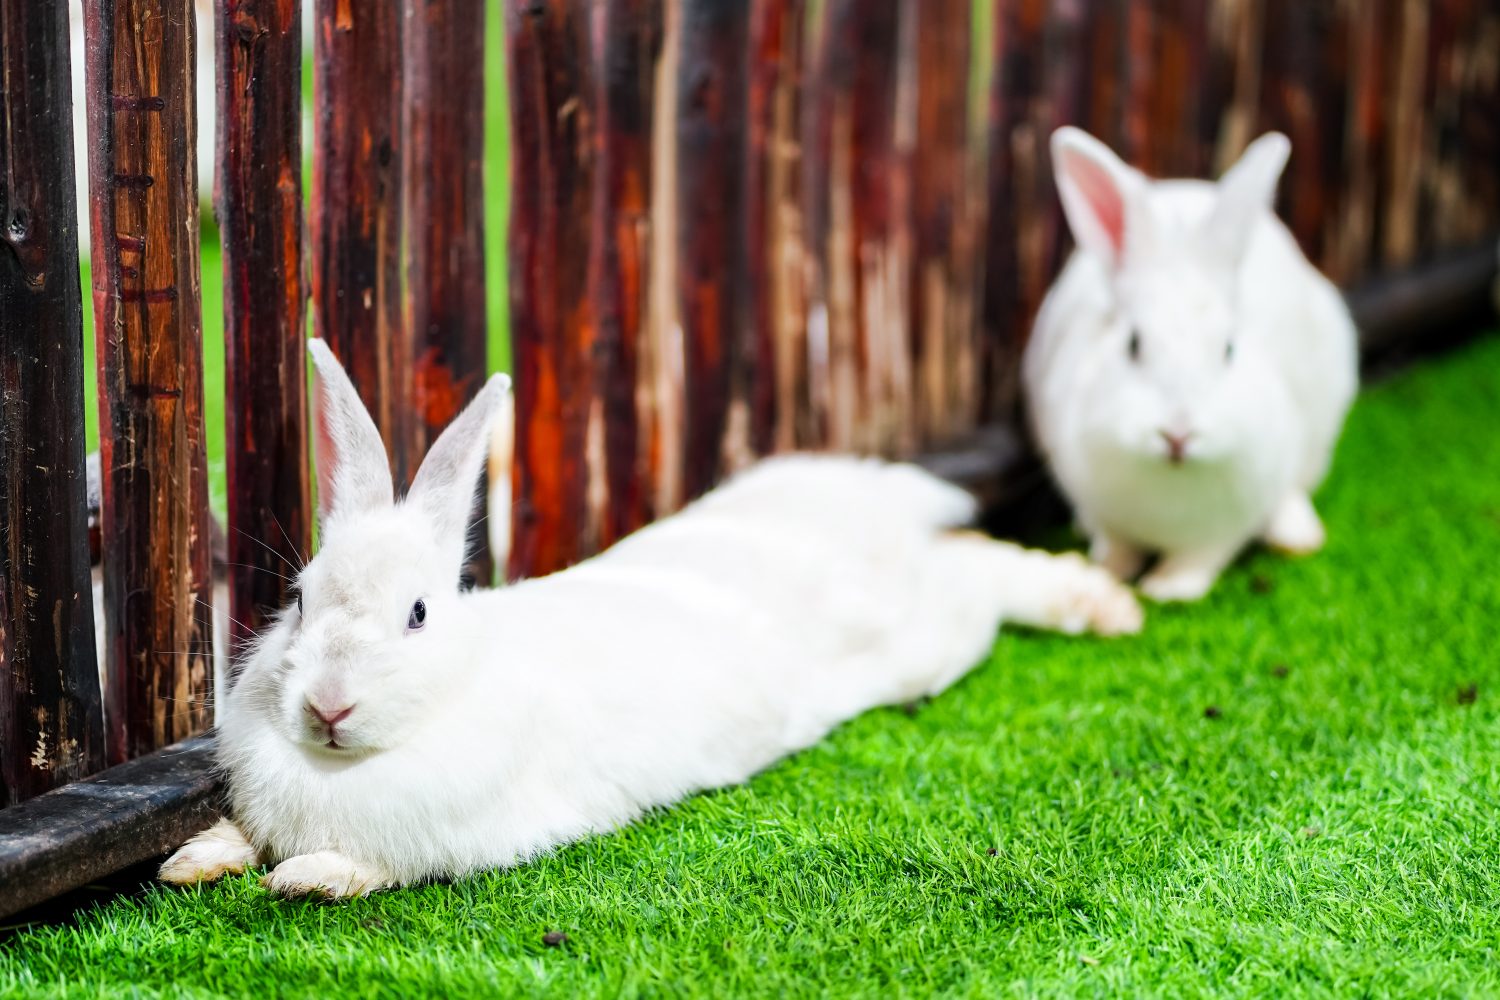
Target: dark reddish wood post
(811, 421)
(944, 280)
(1475, 139)
(1173, 90)
(711, 148)
(1351, 239)
(356, 209)
(1292, 101)
(444, 180)
(258, 194)
(627, 37)
(1016, 141)
(774, 260)
(148, 320)
(864, 82)
(51, 726)
(551, 321)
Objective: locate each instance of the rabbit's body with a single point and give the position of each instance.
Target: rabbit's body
(1249, 357)
(689, 656)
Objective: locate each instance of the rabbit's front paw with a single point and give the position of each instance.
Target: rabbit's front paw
(1295, 528)
(218, 851)
(1178, 584)
(328, 874)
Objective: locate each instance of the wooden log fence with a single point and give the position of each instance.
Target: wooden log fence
(739, 226)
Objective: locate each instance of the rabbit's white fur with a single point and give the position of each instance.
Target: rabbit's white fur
(690, 655)
(1187, 268)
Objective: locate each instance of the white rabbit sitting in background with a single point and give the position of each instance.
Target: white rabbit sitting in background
(389, 729)
(1190, 371)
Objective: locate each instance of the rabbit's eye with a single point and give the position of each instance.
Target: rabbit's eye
(418, 616)
(299, 602)
(1229, 352)
(1134, 347)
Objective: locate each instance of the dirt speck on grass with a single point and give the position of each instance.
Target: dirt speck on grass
(1309, 832)
(992, 852)
(554, 939)
(1280, 670)
(1468, 694)
(1262, 584)
(1088, 960)
(1212, 712)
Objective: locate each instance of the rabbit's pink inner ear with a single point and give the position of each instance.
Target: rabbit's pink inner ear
(325, 449)
(1104, 201)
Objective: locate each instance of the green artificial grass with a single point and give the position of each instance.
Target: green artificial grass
(1290, 788)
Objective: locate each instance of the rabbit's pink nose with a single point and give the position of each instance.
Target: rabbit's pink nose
(330, 717)
(1176, 445)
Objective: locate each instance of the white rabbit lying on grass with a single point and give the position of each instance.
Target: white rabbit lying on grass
(389, 729)
(1190, 371)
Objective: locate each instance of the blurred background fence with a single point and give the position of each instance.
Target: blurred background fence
(742, 227)
(739, 226)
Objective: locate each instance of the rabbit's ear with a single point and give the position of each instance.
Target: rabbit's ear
(354, 474)
(1246, 191)
(1104, 200)
(502, 476)
(449, 476)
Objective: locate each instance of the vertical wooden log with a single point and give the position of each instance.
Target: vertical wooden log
(1104, 80)
(1292, 102)
(356, 209)
(444, 203)
(1064, 90)
(1235, 32)
(143, 176)
(1041, 69)
(711, 146)
(551, 322)
(774, 222)
(1352, 226)
(1138, 67)
(258, 193)
(627, 37)
(813, 420)
(51, 726)
(774, 71)
(1174, 89)
(1476, 137)
(943, 278)
(865, 83)
(1017, 41)
(1407, 116)
(660, 389)
(1442, 215)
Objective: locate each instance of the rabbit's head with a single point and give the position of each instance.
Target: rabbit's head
(1173, 379)
(352, 665)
